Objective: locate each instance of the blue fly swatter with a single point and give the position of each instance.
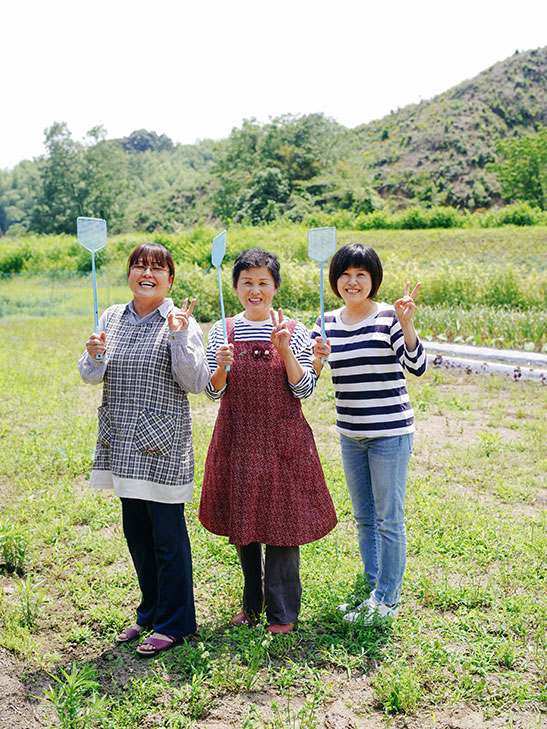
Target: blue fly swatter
(92, 235)
(321, 246)
(218, 250)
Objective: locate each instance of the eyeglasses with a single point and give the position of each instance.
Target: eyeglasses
(141, 268)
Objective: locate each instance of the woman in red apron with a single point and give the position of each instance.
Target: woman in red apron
(263, 483)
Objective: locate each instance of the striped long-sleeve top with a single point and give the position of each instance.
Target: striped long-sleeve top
(246, 330)
(367, 361)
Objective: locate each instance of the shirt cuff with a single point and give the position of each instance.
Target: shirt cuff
(179, 336)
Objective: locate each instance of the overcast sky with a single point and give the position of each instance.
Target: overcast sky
(194, 70)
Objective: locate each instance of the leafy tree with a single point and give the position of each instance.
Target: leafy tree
(104, 178)
(522, 169)
(298, 147)
(261, 201)
(142, 140)
(62, 188)
(78, 179)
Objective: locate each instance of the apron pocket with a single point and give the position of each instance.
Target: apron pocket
(105, 426)
(288, 435)
(154, 433)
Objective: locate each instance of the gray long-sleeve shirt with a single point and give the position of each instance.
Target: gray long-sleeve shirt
(187, 362)
(190, 371)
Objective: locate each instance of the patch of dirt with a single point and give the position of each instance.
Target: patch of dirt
(20, 707)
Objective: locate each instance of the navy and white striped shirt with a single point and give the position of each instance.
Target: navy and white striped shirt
(246, 330)
(367, 361)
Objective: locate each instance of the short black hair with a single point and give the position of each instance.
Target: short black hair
(255, 258)
(152, 253)
(356, 255)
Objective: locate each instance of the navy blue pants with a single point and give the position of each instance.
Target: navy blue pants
(159, 546)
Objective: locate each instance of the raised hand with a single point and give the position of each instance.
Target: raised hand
(225, 355)
(180, 318)
(96, 344)
(321, 348)
(281, 335)
(406, 306)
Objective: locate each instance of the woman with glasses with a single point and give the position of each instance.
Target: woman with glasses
(149, 355)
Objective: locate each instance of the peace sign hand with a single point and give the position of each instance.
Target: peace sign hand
(180, 318)
(405, 307)
(280, 335)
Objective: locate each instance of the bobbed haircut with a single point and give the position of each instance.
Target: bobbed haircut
(152, 254)
(356, 255)
(255, 258)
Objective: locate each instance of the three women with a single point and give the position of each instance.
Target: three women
(263, 483)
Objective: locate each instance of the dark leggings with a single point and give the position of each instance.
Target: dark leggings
(273, 582)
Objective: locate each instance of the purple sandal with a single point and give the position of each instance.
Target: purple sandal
(152, 646)
(130, 634)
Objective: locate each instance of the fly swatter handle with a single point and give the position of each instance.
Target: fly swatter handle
(99, 356)
(227, 368)
(324, 360)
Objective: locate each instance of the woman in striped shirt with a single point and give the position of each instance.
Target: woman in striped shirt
(263, 482)
(369, 345)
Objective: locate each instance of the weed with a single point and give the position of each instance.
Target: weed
(75, 699)
(31, 598)
(13, 547)
(397, 688)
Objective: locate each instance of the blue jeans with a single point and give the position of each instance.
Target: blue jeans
(375, 471)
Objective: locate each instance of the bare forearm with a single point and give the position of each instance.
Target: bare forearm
(294, 369)
(218, 378)
(410, 335)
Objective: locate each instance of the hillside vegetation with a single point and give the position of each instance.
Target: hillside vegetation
(480, 144)
(440, 150)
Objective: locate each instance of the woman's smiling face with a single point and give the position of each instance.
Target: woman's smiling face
(149, 281)
(255, 290)
(354, 285)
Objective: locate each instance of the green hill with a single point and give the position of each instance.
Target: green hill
(438, 150)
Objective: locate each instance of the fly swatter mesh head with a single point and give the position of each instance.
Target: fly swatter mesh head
(321, 243)
(218, 249)
(91, 233)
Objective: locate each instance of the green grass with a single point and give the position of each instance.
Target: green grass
(486, 287)
(473, 621)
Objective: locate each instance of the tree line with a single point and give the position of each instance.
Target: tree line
(291, 167)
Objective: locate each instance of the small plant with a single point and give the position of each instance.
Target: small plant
(13, 547)
(489, 443)
(74, 698)
(397, 688)
(31, 598)
(195, 698)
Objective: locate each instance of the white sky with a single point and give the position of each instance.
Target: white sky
(194, 70)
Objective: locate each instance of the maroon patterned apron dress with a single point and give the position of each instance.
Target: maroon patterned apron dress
(263, 480)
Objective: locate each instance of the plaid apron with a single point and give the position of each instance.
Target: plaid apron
(145, 426)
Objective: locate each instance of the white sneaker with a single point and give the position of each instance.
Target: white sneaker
(346, 606)
(370, 611)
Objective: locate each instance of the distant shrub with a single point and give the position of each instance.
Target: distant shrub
(412, 219)
(519, 214)
(13, 257)
(377, 220)
(445, 217)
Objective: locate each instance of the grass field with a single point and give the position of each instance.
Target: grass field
(484, 287)
(469, 649)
